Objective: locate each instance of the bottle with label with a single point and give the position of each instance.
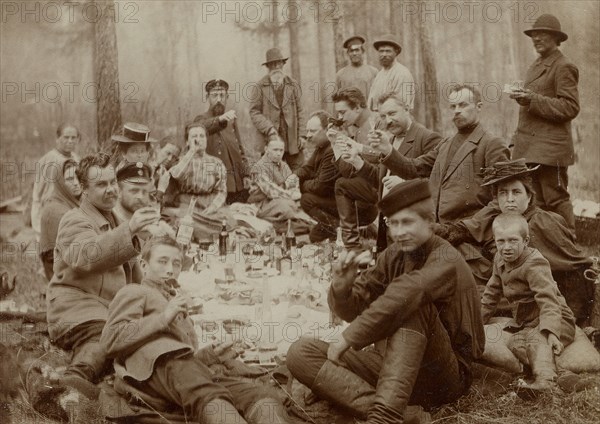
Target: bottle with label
(290, 242)
(186, 225)
(223, 239)
(285, 260)
(373, 256)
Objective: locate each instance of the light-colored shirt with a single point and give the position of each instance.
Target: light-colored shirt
(360, 77)
(397, 79)
(46, 173)
(272, 180)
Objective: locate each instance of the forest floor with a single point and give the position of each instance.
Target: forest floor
(490, 400)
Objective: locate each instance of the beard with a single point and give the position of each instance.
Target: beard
(276, 77)
(218, 109)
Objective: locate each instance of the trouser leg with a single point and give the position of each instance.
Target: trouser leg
(324, 211)
(88, 357)
(349, 193)
(418, 356)
(294, 161)
(551, 188)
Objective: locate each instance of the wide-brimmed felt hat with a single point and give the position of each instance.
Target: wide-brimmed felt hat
(389, 40)
(274, 55)
(135, 172)
(217, 84)
(506, 170)
(358, 38)
(548, 23)
(403, 195)
(134, 133)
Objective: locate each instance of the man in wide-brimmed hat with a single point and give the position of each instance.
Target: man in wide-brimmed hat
(276, 108)
(418, 305)
(393, 76)
(549, 101)
(358, 73)
(224, 140)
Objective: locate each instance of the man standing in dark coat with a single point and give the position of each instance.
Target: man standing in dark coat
(224, 140)
(549, 102)
(420, 307)
(276, 109)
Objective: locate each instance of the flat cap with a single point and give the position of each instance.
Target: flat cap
(216, 84)
(349, 41)
(403, 195)
(136, 173)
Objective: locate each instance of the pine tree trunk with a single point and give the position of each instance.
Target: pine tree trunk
(338, 36)
(429, 85)
(106, 72)
(294, 43)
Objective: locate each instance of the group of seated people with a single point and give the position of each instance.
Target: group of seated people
(455, 221)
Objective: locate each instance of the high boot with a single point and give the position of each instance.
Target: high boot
(402, 362)
(348, 221)
(344, 388)
(269, 411)
(220, 411)
(541, 361)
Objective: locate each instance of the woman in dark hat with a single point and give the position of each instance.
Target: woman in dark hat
(512, 188)
(65, 196)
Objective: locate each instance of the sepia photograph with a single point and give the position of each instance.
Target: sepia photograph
(300, 211)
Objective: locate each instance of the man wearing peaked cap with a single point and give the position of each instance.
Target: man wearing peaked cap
(224, 140)
(276, 109)
(135, 186)
(548, 103)
(357, 73)
(393, 76)
(420, 299)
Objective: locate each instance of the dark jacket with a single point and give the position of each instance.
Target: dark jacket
(417, 141)
(455, 189)
(400, 283)
(224, 142)
(318, 174)
(265, 111)
(544, 129)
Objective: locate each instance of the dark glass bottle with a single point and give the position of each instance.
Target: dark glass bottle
(223, 239)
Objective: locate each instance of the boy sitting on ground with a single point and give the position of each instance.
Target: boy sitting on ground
(542, 324)
(157, 365)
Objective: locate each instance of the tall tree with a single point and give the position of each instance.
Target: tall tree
(293, 17)
(429, 83)
(338, 34)
(106, 72)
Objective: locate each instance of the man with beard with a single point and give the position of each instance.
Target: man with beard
(392, 76)
(418, 305)
(453, 167)
(224, 140)
(317, 180)
(92, 262)
(357, 74)
(135, 185)
(276, 109)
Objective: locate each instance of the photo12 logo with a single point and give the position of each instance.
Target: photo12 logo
(67, 91)
(68, 12)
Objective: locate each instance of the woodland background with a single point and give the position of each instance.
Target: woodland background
(151, 60)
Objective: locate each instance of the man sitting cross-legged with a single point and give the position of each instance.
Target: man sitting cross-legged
(420, 307)
(157, 364)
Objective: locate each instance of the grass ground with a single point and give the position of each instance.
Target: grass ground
(490, 400)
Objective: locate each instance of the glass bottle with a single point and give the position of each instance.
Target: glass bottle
(186, 225)
(223, 239)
